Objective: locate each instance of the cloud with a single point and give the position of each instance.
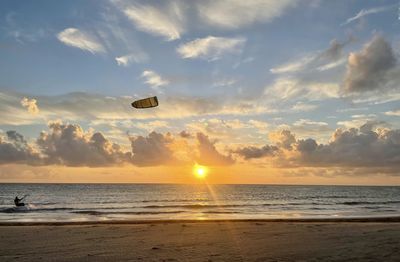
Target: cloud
(311, 77)
(153, 79)
(81, 106)
(69, 145)
(366, 12)
(282, 138)
(151, 125)
(303, 107)
(30, 105)
(208, 154)
(233, 14)
(15, 149)
(251, 152)
(131, 58)
(80, 39)
(352, 148)
(370, 68)
(153, 150)
(393, 113)
(305, 122)
(307, 127)
(166, 21)
(324, 60)
(368, 146)
(372, 145)
(290, 88)
(231, 130)
(13, 113)
(22, 33)
(211, 47)
(332, 65)
(185, 134)
(260, 125)
(360, 120)
(293, 66)
(224, 82)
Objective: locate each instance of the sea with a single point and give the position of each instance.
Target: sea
(102, 202)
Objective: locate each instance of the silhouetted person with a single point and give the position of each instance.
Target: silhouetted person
(18, 203)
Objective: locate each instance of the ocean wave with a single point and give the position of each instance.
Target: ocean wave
(98, 213)
(222, 212)
(174, 200)
(197, 206)
(353, 203)
(26, 209)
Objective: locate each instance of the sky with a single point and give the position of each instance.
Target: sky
(257, 91)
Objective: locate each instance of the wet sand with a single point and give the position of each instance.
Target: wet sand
(344, 240)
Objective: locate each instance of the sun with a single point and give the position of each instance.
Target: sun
(200, 171)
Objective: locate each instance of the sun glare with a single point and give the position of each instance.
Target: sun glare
(200, 171)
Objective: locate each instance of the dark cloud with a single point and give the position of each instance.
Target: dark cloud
(361, 147)
(153, 150)
(15, 149)
(251, 152)
(352, 148)
(208, 154)
(307, 145)
(370, 146)
(334, 51)
(370, 68)
(185, 134)
(370, 125)
(283, 138)
(69, 145)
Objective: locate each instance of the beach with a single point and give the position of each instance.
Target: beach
(227, 240)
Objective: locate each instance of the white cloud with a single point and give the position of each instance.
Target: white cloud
(393, 113)
(166, 21)
(306, 122)
(260, 125)
(211, 47)
(243, 61)
(292, 89)
(131, 58)
(151, 125)
(224, 82)
(80, 39)
(345, 110)
(293, 66)
(232, 14)
(365, 12)
(153, 79)
(378, 99)
(82, 106)
(322, 60)
(361, 120)
(332, 65)
(303, 107)
(30, 105)
(306, 128)
(363, 116)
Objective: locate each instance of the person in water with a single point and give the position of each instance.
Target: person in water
(18, 203)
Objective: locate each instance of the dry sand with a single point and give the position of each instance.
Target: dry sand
(203, 241)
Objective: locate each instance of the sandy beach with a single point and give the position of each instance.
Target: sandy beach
(350, 240)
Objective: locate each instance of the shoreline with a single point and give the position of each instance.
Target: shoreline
(386, 219)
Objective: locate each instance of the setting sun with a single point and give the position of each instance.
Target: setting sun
(200, 171)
